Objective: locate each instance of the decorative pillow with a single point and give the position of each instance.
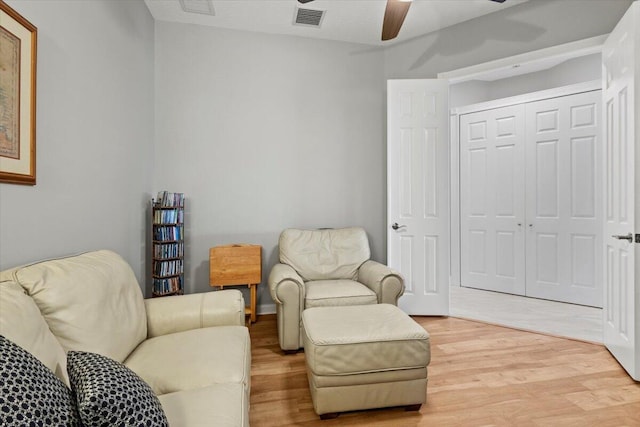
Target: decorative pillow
(109, 394)
(30, 394)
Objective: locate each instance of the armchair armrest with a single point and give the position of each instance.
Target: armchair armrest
(285, 284)
(387, 283)
(184, 312)
(288, 291)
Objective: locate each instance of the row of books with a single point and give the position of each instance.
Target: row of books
(166, 286)
(168, 268)
(168, 250)
(167, 199)
(171, 216)
(168, 233)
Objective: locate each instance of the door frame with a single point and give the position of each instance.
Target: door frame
(524, 63)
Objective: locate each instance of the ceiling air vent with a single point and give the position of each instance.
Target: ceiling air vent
(308, 17)
(204, 7)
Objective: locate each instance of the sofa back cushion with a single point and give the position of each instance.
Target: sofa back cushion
(330, 254)
(91, 302)
(22, 323)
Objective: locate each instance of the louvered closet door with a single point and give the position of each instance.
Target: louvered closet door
(492, 200)
(563, 199)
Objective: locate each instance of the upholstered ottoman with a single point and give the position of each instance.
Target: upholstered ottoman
(365, 356)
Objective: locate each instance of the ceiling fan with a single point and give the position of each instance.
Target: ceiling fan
(394, 15)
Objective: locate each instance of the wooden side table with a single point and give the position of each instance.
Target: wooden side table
(237, 265)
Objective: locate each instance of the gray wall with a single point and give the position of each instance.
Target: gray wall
(576, 70)
(94, 134)
(265, 132)
(533, 25)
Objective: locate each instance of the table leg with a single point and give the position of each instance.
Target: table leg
(254, 297)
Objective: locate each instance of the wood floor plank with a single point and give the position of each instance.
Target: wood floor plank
(480, 375)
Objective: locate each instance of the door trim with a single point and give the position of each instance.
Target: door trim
(530, 97)
(527, 62)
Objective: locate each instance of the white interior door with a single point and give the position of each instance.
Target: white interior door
(492, 201)
(563, 199)
(621, 106)
(418, 192)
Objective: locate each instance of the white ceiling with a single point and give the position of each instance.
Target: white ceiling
(358, 21)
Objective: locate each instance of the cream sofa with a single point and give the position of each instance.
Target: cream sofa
(323, 268)
(193, 350)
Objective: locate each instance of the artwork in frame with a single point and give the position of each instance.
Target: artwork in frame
(18, 42)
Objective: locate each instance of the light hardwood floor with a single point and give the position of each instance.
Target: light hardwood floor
(480, 375)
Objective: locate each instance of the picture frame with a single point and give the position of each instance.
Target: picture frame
(18, 52)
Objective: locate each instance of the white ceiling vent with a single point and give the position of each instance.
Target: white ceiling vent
(204, 7)
(308, 17)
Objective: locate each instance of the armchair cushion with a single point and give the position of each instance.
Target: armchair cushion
(327, 293)
(325, 254)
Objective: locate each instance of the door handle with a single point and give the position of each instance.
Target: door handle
(395, 226)
(628, 237)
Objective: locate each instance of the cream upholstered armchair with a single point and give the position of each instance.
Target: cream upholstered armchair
(329, 267)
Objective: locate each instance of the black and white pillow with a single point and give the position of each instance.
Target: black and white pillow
(30, 394)
(110, 394)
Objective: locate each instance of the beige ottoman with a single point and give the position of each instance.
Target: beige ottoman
(365, 356)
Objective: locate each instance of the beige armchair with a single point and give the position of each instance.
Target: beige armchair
(320, 268)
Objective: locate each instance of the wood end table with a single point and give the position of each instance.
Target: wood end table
(237, 265)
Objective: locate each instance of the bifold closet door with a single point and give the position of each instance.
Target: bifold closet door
(492, 200)
(563, 199)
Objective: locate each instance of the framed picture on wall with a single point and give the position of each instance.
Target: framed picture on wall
(18, 42)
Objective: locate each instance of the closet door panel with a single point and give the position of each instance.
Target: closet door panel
(492, 200)
(546, 185)
(562, 199)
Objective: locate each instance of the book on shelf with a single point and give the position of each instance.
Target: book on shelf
(168, 233)
(169, 216)
(168, 199)
(171, 285)
(168, 250)
(168, 268)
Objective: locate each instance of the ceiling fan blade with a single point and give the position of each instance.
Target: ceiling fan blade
(394, 15)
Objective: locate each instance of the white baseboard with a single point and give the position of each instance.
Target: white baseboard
(266, 309)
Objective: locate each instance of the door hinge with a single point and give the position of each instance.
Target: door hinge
(637, 239)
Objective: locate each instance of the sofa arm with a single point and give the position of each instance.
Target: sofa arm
(387, 283)
(184, 312)
(288, 291)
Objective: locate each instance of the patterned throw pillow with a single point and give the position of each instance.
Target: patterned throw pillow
(110, 394)
(30, 394)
